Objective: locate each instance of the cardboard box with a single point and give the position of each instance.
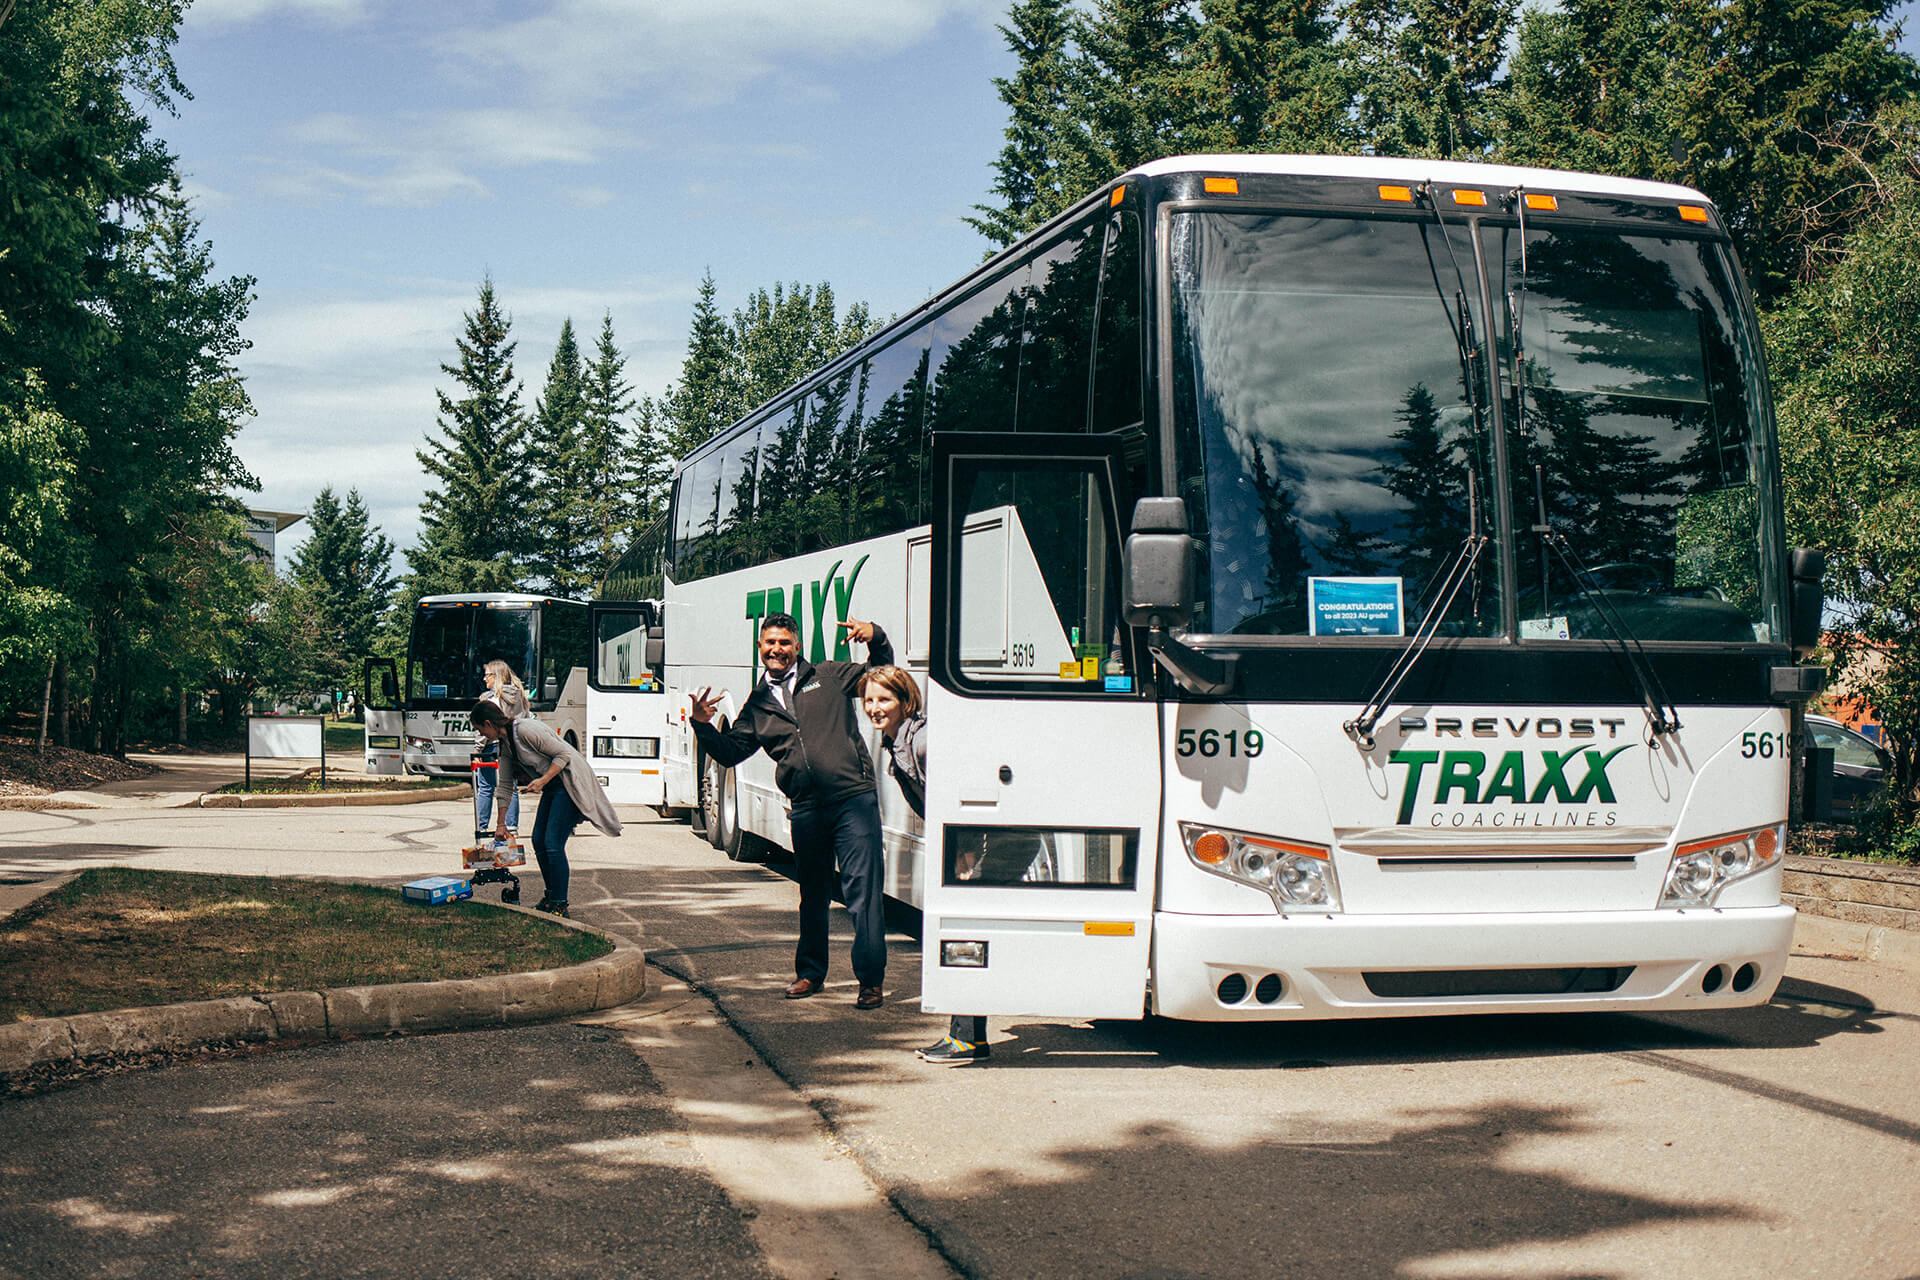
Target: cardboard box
(494, 854)
(437, 889)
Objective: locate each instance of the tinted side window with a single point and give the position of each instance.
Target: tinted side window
(832, 442)
(887, 471)
(734, 545)
(783, 479)
(1119, 353)
(1057, 337)
(976, 358)
(695, 511)
(563, 646)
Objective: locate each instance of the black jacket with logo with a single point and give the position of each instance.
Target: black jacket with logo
(818, 753)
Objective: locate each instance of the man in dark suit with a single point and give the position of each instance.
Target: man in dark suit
(803, 716)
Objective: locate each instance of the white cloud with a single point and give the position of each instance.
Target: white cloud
(230, 13)
(494, 135)
(418, 159)
(345, 388)
(408, 186)
(584, 50)
(203, 197)
(593, 197)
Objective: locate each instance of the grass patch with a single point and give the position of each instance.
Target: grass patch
(301, 784)
(346, 738)
(116, 938)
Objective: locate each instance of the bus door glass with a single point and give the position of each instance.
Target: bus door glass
(384, 716)
(626, 700)
(1043, 783)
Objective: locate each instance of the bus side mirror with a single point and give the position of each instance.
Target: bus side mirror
(389, 689)
(1806, 599)
(550, 689)
(1157, 568)
(656, 647)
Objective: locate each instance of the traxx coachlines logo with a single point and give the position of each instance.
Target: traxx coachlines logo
(810, 604)
(1464, 784)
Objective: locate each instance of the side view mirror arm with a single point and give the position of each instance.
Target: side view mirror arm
(1192, 670)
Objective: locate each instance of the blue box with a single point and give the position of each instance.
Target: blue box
(437, 889)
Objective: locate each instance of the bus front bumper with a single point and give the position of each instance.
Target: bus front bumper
(1262, 968)
(427, 764)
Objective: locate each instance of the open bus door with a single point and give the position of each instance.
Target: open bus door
(627, 699)
(386, 720)
(1043, 783)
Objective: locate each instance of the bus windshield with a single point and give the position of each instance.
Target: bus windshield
(1333, 406)
(453, 643)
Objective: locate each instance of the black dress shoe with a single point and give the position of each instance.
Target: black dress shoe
(802, 988)
(870, 998)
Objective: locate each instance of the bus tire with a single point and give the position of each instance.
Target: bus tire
(697, 815)
(713, 780)
(736, 841)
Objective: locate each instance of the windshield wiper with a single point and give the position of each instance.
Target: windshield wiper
(1459, 314)
(1663, 715)
(1459, 570)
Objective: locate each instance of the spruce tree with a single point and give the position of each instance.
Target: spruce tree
(1027, 176)
(473, 522)
(558, 474)
(345, 571)
(702, 401)
(618, 468)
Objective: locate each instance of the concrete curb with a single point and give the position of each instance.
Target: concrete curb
(247, 800)
(338, 1013)
(1853, 940)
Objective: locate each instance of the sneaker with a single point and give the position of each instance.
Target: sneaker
(553, 909)
(953, 1052)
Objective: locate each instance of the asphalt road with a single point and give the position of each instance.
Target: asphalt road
(1783, 1140)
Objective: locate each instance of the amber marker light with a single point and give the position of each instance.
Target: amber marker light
(1119, 194)
(1548, 203)
(1692, 213)
(1211, 848)
(1221, 186)
(1476, 198)
(1403, 194)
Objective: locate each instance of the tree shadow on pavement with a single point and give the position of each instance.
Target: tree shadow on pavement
(542, 1151)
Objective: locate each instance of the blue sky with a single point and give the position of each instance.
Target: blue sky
(369, 161)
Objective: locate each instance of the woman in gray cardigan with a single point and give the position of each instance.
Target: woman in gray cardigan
(534, 751)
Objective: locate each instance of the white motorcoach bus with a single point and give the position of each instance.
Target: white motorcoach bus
(453, 637)
(1341, 587)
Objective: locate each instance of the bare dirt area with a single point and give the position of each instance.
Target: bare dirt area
(26, 771)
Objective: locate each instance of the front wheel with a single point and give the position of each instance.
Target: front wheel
(713, 784)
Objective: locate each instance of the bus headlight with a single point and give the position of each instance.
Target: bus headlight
(627, 748)
(1700, 869)
(419, 744)
(1298, 876)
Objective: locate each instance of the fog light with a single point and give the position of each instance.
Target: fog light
(959, 954)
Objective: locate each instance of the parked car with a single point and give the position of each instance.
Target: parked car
(1860, 766)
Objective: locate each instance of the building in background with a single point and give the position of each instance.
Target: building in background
(265, 525)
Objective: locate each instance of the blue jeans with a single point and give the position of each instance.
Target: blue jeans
(846, 831)
(553, 824)
(485, 778)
